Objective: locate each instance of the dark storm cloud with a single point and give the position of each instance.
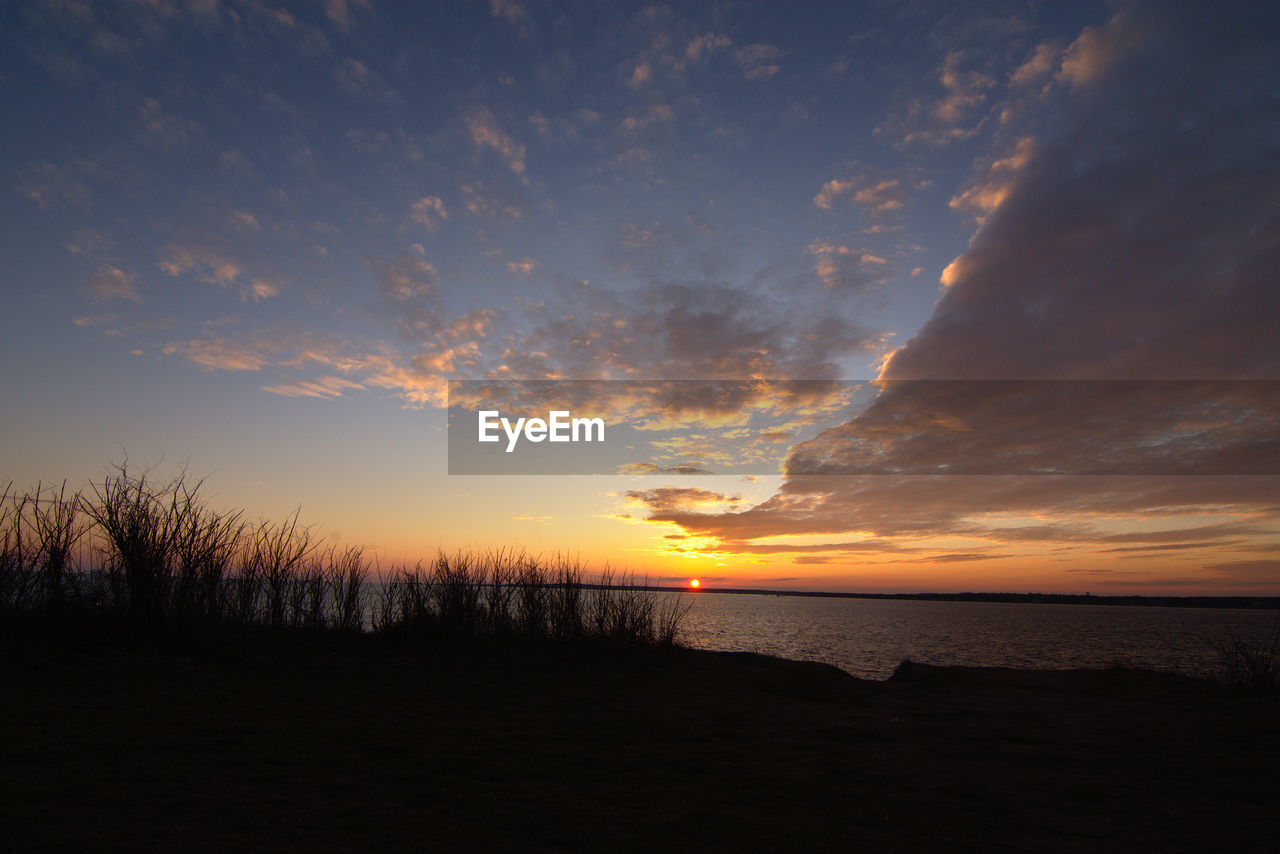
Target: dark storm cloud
(1139, 240)
(982, 506)
(1064, 427)
(1142, 240)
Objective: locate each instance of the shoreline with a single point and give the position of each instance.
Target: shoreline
(1242, 603)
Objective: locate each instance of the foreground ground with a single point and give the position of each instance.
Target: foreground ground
(692, 751)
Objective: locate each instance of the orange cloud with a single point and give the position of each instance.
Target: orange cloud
(485, 133)
(112, 283)
(429, 211)
(325, 388)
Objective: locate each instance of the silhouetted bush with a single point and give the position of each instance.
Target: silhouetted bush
(1247, 662)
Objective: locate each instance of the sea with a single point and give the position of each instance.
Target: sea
(869, 638)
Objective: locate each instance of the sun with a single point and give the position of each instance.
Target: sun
(693, 582)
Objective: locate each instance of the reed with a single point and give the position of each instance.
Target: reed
(167, 567)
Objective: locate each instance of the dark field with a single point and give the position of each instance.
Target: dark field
(657, 751)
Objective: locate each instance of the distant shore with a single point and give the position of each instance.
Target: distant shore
(1229, 602)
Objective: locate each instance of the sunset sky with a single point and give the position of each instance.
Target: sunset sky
(258, 239)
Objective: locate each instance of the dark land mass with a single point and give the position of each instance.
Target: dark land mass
(1246, 602)
(655, 751)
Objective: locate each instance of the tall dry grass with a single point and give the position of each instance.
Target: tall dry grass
(164, 564)
(505, 595)
(39, 534)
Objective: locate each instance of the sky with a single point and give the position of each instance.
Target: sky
(1036, 243)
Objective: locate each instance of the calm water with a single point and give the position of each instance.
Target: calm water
(870, 637)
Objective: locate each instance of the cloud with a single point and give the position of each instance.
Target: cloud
(636, 236)
(51, 186)
(220, 353)
(1098, 49)
(339, 11)
(894, 513)
(964, 89)
(112, 283)
(827, 550)
(245, 221)
(877, 195)
(524, 267)
(1245, 572)
(429, 211)
(688, 426)
(107, 43)
(356, 78)
(210, 264)
(407, 283)
(236, 162)
(1137, 242)
(1037, 67)
(683, 330)
(564, 128)
(163, 129)
(261, 289)
(512, 11)
(952, 114)
(485, 133)
(1069, 427)
(325, 388)
(690, 331)
(478, 202)
(706, 44)
(654, 468)
(1131, 240)
(634, 155)
(369, 140)
(88, 242)
(217, 266)
(987, 192)
(848, 267)
(347, 367)
(443, 346)
(656, 115)
(758, 61)
(669, 498)
(641, 74)
(85, 320)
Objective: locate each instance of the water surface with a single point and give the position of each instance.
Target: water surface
(870, 637)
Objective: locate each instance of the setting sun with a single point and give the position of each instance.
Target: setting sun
(693, 582)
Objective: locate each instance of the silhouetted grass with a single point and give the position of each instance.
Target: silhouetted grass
(1246, 662)
(505, 595)
(166, 568)
(40, 532)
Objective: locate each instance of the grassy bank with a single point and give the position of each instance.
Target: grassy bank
(681, 750)
(176, 678)
(132, 563)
